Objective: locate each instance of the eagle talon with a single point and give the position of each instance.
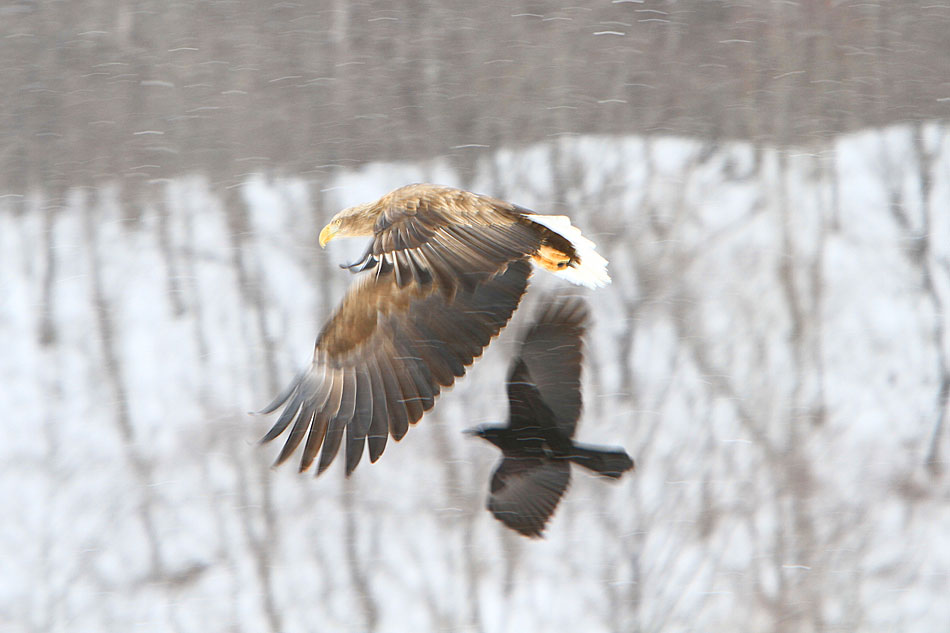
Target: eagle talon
(367, 262)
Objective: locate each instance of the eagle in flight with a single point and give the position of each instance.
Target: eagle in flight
(444, 271)
(544, 401)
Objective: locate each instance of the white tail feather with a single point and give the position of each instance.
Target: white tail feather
(592, 270)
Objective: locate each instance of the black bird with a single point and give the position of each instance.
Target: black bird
(544, 399)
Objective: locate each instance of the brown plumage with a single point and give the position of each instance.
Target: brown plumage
(457, 237)
(443, 273)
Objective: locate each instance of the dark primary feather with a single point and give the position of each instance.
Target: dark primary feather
(383, 358)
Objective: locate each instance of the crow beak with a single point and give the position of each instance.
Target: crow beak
(327, 234)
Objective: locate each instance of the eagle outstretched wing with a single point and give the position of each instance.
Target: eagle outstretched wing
(383, 358)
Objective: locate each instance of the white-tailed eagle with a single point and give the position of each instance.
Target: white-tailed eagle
(443, 273)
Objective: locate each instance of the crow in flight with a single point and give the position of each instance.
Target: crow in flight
(544, 399)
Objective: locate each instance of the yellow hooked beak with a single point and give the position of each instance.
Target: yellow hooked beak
(327, 234)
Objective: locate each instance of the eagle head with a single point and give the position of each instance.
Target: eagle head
(357, 221)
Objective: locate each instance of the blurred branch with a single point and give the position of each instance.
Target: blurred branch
(916, 233)
(116, 384)
(358, 576)
(47, 329)
(253, 300)
(925, 258)
(169, 254)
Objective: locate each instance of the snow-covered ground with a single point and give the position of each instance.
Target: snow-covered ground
(769, 352)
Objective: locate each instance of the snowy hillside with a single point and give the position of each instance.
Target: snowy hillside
(771, 352)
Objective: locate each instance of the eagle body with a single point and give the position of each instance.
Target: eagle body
(413, 228)
(442, 275)
(537, 445)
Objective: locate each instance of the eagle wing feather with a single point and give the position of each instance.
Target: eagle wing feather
(384, 357)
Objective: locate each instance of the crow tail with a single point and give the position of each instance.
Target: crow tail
(609, 462)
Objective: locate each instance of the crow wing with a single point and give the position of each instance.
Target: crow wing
(545, 380)
(525, 492)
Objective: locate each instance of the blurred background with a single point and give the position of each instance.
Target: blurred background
(770, 181)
